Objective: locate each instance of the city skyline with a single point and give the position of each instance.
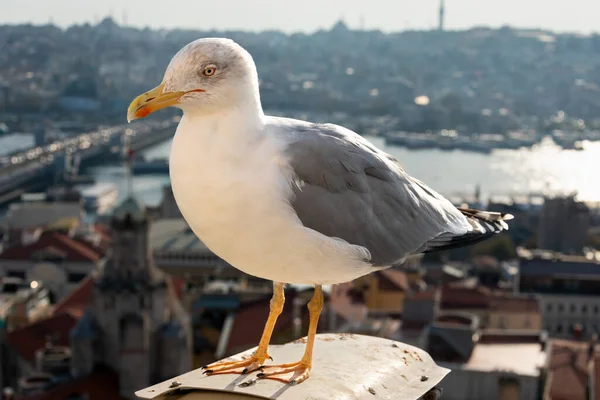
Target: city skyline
(576, 16)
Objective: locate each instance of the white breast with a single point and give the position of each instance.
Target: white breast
(232, 189)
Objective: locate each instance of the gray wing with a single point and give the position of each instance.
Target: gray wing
(346, 188)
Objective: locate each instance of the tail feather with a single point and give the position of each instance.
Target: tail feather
(485, 225)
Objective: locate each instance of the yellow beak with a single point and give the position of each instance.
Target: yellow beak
(153, 100)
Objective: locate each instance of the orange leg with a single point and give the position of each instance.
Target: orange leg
(259, 357)
(294, 373)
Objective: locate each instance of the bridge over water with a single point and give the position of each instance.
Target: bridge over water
(38, 167)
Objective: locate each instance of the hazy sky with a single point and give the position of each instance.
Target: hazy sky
(308, 15)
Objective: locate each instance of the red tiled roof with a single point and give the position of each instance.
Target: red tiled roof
(250, 319)
(461, 298)
(102, 384)
(27, 340)
(514, 303)
(569, 369)
(479, 297)
(101, 247)
(73, 249)
(423, 295)
(393, 279)
(248, 324)
(78, 300)
(84, 251)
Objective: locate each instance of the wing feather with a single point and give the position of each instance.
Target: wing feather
(348, 189)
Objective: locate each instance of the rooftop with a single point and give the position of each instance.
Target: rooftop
(519, 358)
(77, 301)
(27, 340)
(514, 303)
(175, 235)
(35, 214)
(458, 295)
(570, 366)
(102, 384)
(393, 279)
(544, 263)
(53, 244)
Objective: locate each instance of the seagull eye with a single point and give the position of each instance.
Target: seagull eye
(209, 71)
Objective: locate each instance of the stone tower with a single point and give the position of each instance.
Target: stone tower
(131, 312)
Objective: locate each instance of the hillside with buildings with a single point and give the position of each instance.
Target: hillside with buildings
(475, 80)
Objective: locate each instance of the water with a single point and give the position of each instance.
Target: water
(544, 168)
(13, 142)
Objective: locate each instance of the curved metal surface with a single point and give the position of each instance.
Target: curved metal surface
(345, 367)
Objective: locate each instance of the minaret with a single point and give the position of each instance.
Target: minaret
(442, 11)
(128, 154)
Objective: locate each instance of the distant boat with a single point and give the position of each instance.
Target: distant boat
(100, 196)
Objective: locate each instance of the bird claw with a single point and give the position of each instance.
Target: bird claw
(250, 364)
(300, 372)
(246, 371)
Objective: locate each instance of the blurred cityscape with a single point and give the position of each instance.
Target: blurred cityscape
(95, 299)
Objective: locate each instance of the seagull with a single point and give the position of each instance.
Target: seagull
(291, 201)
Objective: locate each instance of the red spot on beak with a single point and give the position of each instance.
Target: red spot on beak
(142, 112)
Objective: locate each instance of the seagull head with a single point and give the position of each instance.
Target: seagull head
(206, 76)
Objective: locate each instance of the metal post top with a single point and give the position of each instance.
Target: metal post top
(345, 366)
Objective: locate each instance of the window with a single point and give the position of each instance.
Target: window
(560, 308)
(502, 323)
(549, 307)
(75, 277)
(584, 308)
(16, 274)
(572, 285)
(509, 389)
(559, 328)
(596, 309)
(573, 308)
(77, 396)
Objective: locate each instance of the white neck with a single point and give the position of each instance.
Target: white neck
(220, 131)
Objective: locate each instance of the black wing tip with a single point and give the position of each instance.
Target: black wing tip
(485, 225)
(488, 216)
